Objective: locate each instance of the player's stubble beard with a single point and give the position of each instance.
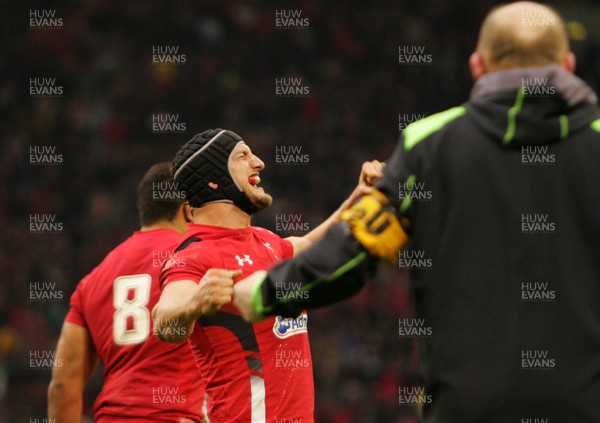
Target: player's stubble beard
(260, 199)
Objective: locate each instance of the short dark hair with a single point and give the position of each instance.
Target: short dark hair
(158, 197)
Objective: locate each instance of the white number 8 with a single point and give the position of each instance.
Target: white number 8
(136, 308)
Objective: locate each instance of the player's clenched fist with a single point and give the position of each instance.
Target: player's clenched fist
(370, 172)
(214, 290)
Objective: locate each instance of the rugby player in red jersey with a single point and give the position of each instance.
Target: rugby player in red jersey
(253, 372)
(145, 380)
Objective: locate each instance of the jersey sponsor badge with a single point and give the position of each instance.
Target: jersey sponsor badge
(285, 327)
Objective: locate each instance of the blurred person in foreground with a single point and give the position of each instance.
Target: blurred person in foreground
(253, 372)
(512, 230)
(145, 380)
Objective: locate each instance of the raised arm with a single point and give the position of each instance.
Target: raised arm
(370, 172)
(333, 269)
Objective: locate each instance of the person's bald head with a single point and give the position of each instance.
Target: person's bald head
(520, 35)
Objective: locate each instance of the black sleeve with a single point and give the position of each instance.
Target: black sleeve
(333, 269)
(398, 181)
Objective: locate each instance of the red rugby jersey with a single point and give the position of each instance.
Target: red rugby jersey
(253, 372)
(144, 378)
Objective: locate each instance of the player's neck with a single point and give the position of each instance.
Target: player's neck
(165, 224)
(226, 215)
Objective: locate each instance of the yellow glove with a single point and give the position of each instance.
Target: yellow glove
(375, 226)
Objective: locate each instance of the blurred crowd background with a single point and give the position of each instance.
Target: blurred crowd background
(101, 126)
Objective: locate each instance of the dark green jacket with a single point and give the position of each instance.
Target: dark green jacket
(502, 195)
(501, 199)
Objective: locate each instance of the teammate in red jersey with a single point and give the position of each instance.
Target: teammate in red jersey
(253, 372)
(145, 379)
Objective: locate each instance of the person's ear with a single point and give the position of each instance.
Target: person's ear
(477, 65)
(187, 212)
(570, 62)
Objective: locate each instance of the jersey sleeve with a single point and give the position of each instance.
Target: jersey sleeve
(75, 314)
(287, 248)
(183, 265)
(281, 246)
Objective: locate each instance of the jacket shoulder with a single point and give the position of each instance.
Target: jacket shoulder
(419, 130)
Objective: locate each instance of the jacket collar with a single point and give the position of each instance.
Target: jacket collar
(571, 88)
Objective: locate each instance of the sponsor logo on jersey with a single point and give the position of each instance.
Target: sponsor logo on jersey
(285, 327)
(245, 259)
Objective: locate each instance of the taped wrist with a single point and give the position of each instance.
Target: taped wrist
(375, 226)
